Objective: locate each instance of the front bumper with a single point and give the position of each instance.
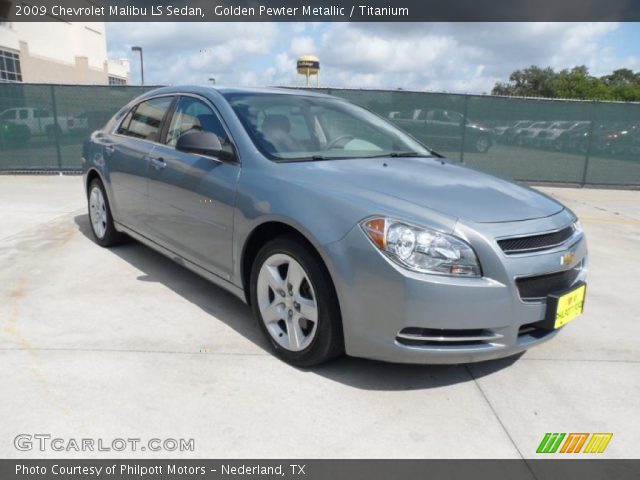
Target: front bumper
(385, 306)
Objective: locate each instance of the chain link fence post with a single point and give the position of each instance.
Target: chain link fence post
(587, 154)
(463, 126)
(56, 126)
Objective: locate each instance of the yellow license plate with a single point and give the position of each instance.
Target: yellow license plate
(570, 305)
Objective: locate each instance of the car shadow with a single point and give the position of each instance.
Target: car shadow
(355, 372)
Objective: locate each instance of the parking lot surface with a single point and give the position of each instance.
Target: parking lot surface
(124, 343)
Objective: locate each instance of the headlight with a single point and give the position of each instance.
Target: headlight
(577, 226)
(422, 249)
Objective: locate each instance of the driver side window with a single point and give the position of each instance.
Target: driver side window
(194, 114)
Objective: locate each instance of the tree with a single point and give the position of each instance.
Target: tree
(530, 82)
(622, 84)
(622, 76)
(577, 83)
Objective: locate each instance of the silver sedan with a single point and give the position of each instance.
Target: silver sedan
(342, 232)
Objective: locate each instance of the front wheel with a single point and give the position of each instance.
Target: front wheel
(295, 304)
(104, 233)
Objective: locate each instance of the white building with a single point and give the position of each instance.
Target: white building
(58, 52)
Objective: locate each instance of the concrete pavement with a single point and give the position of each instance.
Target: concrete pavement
(124, 343)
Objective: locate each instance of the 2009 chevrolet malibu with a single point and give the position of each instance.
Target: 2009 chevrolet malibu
(342, 232)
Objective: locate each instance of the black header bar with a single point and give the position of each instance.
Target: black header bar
(319, 10)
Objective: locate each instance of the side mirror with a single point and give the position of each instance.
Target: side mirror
(200, 142)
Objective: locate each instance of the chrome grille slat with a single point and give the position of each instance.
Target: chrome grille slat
(443, 338)
(426, 338)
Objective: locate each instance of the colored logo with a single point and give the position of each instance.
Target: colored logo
(574, 442)
(567, 258)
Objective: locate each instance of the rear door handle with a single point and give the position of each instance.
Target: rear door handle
(158, 163)
(110, 149)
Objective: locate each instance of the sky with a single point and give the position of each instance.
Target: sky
(441, 57)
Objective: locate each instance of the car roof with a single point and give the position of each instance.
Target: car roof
(225, 90)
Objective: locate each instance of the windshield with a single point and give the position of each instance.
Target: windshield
(297, 127)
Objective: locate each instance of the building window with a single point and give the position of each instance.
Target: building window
(10, 67)
(117, 81)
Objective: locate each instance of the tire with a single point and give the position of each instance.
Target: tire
(100, 218)
(275, 267)
(482, 144)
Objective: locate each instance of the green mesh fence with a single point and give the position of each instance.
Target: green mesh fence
(534, 140)
(597, 143)
(42, 127)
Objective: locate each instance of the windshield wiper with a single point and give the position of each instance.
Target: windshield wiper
(408, 154)
(311, 158)
(401, 155)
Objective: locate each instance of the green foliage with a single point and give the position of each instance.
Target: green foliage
(623, 84)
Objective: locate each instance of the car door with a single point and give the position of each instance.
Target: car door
(192, 197)
(436, 128)
(127, 154)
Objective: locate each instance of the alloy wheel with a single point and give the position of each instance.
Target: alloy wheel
(287, 302)
(98, 212)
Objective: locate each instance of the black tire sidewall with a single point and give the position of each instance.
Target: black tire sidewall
(328, 342)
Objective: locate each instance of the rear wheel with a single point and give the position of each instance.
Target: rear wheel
(104, 233)
(295, 304)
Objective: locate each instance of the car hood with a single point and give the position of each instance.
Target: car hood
(450, 189)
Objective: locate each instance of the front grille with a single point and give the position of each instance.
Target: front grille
(537, 288)
(535, 242)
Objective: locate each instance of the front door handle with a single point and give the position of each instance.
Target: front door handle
(158, 163)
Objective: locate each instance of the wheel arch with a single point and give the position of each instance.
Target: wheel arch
(92, 174)
(263, 233)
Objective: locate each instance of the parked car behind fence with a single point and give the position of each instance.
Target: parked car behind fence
(40, 122)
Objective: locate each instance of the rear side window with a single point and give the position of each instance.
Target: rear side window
(439, 116)
(145, 120)
(124, 125)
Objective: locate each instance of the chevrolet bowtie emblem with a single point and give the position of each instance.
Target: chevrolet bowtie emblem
(567, 258)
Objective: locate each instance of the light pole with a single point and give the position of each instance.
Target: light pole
(139, 49)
